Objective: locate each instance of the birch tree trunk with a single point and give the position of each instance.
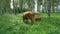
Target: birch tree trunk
(35, 5)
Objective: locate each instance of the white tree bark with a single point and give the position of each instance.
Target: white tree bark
(11, 4)
(35, 5)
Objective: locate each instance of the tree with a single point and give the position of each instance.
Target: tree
(53, 5)
(57, 3)
(49, 7)
(35, 5)
(43, 6)
(5, 6)
(17, 5)
(39, 5)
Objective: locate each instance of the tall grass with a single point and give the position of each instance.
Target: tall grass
(13, 24)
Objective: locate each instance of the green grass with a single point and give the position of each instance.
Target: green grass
(13, 24)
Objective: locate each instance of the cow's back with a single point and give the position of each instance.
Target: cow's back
(28, 15)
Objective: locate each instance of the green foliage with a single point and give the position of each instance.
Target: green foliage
(13, 24)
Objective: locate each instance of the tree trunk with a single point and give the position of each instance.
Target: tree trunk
(43, 6)
(53, 9)
(21, 5)
(14, 8)
(35, 5)
(57, 5)
(49, 7)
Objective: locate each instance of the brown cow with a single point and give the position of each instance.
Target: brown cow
(31, 16)
(28, 15)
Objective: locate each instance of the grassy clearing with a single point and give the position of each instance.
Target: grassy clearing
(13, 24)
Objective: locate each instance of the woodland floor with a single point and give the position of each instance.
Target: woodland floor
(13, 24)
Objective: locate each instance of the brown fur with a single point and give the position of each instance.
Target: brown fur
(31, 16)
(28, 15)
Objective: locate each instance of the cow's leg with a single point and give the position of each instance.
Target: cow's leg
(32, 20)
(23, 20)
